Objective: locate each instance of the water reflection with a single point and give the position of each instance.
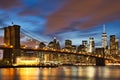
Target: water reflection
(28, 73)
(7, 74)
(60, 73)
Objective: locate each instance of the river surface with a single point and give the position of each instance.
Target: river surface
(62, 73)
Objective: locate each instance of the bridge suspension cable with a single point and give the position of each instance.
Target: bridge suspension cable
(1, 28)
(29, 35)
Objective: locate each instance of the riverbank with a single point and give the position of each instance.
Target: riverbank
(24, 66)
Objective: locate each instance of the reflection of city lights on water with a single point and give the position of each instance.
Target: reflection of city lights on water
(9, 73)
(90, 72)
(28, 73)
(74, 71)
(106, 72)
(67, 71)
(86, 72)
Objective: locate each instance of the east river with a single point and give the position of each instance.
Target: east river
(62, 73)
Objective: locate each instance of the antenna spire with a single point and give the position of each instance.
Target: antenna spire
(103, 28)
(12, 23)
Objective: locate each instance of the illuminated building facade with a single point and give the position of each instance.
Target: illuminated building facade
(73, 48)
(53, 45)
(91, 45)
(68, 43)
(104, 38)
(41, 54)
(84, 42)
(114, 45)
(117, 46)
(27, 61)
(81, 48)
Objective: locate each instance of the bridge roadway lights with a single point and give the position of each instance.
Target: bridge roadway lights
(100, 62)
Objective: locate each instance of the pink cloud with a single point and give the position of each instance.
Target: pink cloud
(97, 11)
(7, 4)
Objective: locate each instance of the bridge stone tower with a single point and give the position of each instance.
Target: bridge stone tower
(100, 61)
(12, 39)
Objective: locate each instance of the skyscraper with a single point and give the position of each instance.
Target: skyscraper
(42, 45)
(114, 45)
(54, 44)
(117, 46)
(104, 38)
(55, 40)
(68, 43)
(81, 48)
(84, 42)
(74, 47)
(92, 45)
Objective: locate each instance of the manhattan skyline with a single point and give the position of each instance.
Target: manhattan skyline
(66, 19)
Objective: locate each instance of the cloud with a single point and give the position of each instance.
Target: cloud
(4, 17)
(30, 12)
(7, 4)
(40, 8)
(88, 13)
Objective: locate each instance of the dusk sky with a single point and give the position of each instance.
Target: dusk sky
(76, 20)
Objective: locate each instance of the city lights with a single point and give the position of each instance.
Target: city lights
(27, 61)
(85, 53)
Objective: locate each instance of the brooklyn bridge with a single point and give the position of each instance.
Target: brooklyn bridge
(13, 51)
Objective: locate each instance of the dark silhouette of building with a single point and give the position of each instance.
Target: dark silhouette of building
(58, 45)
(42, 45)
(51, 44)
(81, 48)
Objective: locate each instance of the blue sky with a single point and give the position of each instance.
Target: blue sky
(66, 19)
